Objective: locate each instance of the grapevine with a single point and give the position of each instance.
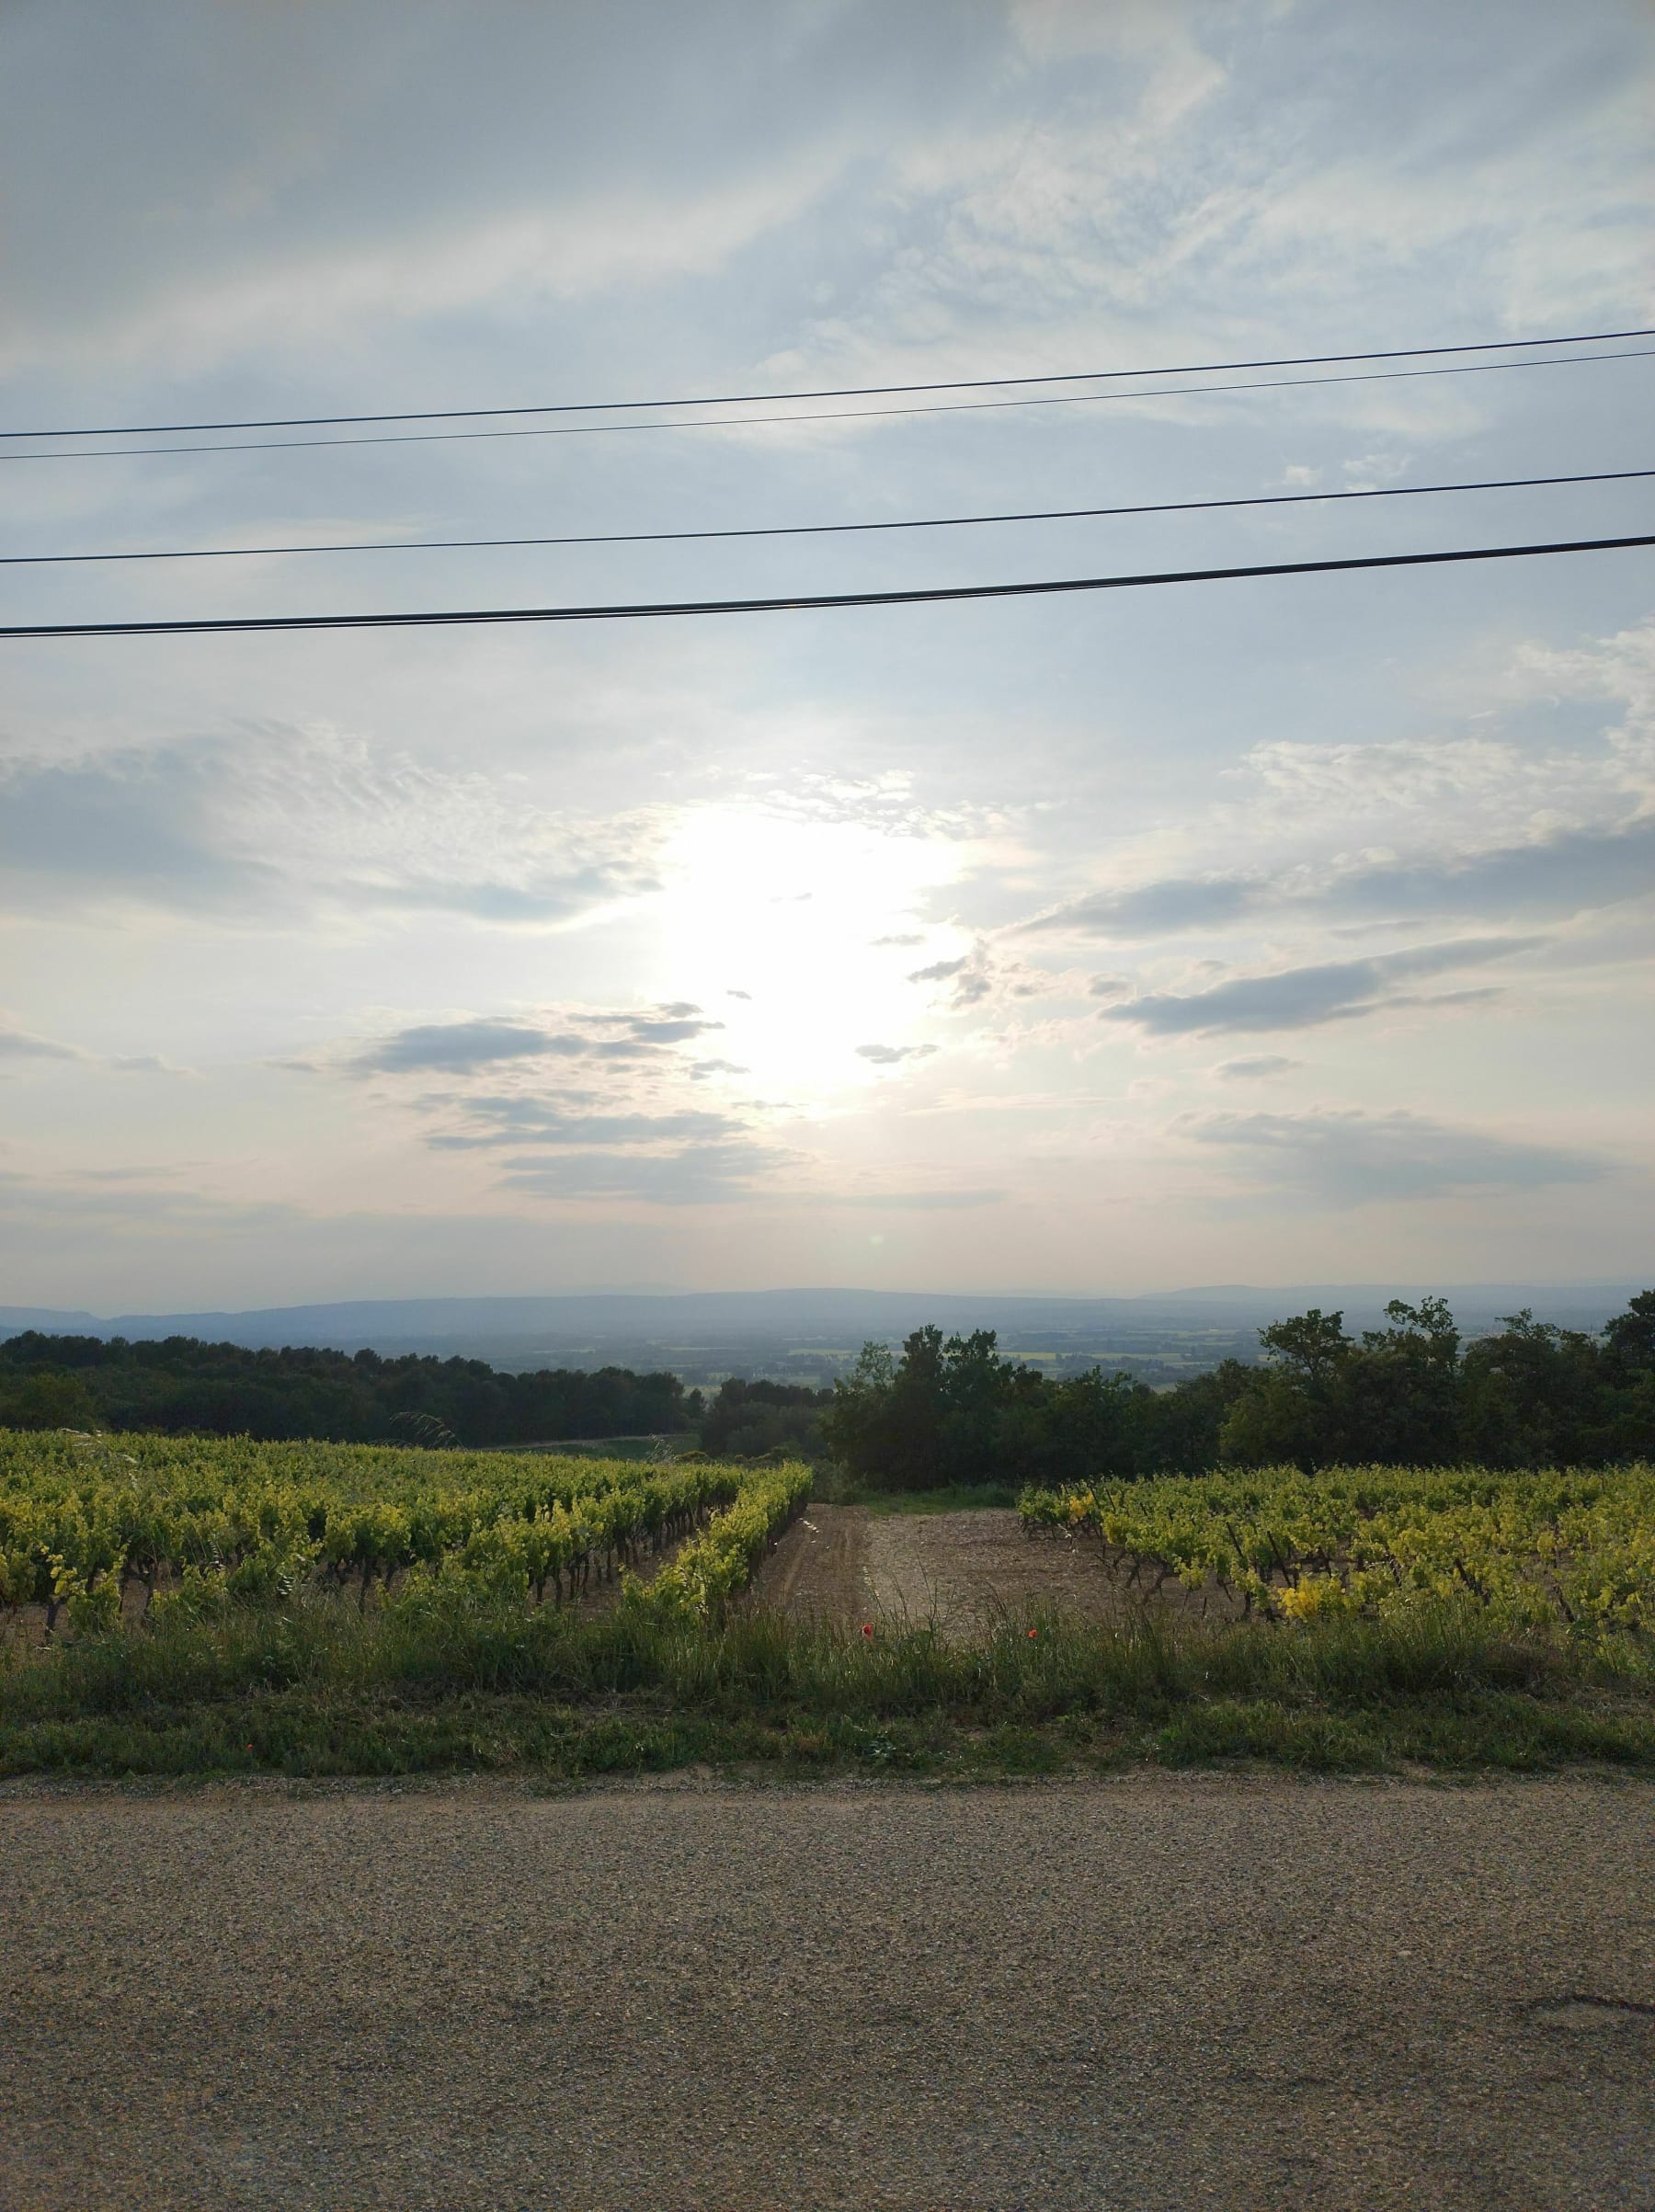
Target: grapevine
(1568, 1549)
(202, 1520)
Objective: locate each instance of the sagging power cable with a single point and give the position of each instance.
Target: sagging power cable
(461, 617)
(745, 399)
(819, 530)
(743, 422)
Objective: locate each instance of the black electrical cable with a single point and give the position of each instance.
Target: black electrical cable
(747, 399)
(820, 529)
(742, 422)
(461, 616)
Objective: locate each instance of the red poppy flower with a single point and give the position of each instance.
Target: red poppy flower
(867, 1628)
(1032, 1634)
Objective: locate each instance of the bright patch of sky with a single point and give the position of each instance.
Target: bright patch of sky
(1263, 931)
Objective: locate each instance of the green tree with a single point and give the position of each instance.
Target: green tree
(1293, 1410)
(49, 1397)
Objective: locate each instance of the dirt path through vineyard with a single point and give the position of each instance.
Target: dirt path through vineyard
(962, 1571)
(1150, 1994)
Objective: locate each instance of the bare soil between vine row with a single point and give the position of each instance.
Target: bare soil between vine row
(962, 1573)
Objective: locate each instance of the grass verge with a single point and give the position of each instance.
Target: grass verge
(958, 1497)
(459, 1682)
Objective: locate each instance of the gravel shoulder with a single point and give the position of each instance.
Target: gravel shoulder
(1157, 1991)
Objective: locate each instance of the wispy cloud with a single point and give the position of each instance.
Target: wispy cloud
(1564, 872)
(457, 1047)
(493, 1121)
(889, 1055)
(1301, 997)
(1259, 1068)
(286, 819)
(716, 1174)
(914, 1202)
(20, 1044)
(1352, 1157)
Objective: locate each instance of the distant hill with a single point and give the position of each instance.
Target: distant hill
(796, 1332)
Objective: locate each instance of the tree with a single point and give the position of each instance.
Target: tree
(1629, 1340)
(1292, 1409)
(1533, 1396)
(47, 1399)
(1401, 1388)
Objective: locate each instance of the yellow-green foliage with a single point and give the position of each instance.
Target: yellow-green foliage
(1574, 1549)
(213, 1518)
(717, 1563)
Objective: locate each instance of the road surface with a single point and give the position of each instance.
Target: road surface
(1158, 1991)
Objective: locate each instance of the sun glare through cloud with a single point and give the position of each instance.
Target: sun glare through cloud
(791, 913)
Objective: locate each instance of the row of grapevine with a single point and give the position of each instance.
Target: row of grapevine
(82, 1519)
(1570, 1548)
(716, 1564)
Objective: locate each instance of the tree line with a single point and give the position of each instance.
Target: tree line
(943, 1411)
(180, 1385)
(951, 1410)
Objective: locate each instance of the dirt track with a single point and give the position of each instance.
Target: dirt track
(962, 1571)
(1148, 1993)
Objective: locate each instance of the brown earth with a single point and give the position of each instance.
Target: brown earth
(962, 1573)
(818, 1569)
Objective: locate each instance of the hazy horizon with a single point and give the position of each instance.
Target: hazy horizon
(1295, 931)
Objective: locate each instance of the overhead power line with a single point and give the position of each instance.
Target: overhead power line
(745, 399)
(742, 422)
(819, 529)
(459, 617)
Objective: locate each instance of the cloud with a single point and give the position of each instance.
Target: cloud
(1564, 872)
(456, 1047)
(1568, 873)
(1301, 997)
(19, 1044)
(121, 1199)
(281, 818)
(286, 204)
(917, 1202)
(1353, 1157)
(1257, 1069)
(887, 1055)
(714, 1174)
(672, 1028)
(981, 975)
(527, 1121)
(1158, 909)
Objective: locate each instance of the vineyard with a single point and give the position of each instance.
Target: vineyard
(99, 1530)
(176, 1605)
(1573, 1552)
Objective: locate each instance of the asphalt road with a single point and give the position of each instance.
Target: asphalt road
(1154, 1992)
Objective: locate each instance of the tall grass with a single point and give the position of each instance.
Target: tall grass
(458, 1640)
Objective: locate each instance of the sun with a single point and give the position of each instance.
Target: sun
(774, 922)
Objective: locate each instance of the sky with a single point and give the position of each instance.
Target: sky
(1264, 932)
